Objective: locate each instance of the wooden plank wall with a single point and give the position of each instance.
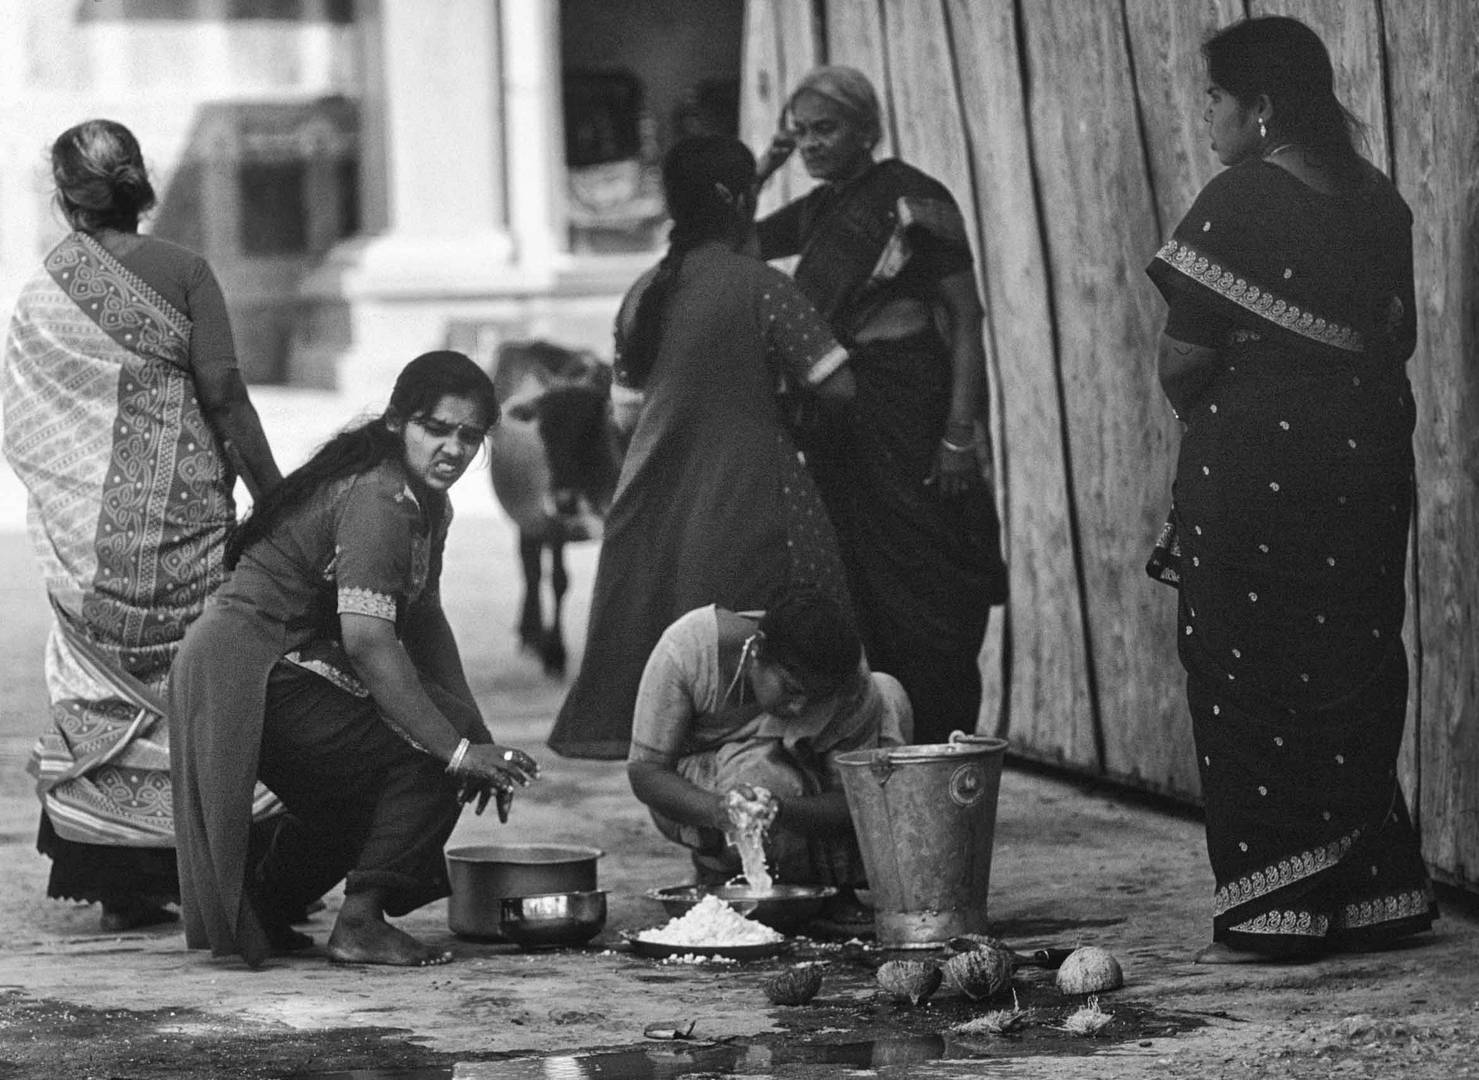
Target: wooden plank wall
(1432, 53)
(1072, 135)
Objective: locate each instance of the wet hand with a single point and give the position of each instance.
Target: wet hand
(750, 804)
(490, 771)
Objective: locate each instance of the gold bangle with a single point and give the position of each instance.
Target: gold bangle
(958, 448)
(454, 763)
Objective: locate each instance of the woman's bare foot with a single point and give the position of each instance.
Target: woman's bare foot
(364, 937)
(133, 912)
(1221, 953)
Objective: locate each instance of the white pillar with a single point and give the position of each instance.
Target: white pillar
(439, 104)
(533, 121)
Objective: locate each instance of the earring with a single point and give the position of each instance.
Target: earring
(1262, 129)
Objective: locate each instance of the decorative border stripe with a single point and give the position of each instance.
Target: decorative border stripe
(1381, 909)
(1285, 872)
(367, 602)
(1301, 923)
(1259, 301)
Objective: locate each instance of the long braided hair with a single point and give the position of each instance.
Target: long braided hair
(708, 181)
(419, 388)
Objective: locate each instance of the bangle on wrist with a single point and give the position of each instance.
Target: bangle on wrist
(454, 763)
(957, 448)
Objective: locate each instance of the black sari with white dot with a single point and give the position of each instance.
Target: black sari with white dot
(1293, 502)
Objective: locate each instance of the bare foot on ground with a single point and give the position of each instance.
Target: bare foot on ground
(1221, 953)
(374, 941)
(133, 913)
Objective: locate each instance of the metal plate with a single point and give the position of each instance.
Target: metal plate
(660, 951)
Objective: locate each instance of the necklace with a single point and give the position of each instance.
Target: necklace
(1278, 149)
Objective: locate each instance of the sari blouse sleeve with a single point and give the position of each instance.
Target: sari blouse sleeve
(796, 337)
(211, 343)
(375, 549)
(663, 717)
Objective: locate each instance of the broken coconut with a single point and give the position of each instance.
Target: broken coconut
(910, 980)
(979, 973)
(1089, 970)
(794, 986)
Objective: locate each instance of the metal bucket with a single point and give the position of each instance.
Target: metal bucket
(925, 818)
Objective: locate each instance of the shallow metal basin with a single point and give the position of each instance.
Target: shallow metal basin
(786, 908)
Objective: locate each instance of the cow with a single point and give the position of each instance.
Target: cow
(554, 460)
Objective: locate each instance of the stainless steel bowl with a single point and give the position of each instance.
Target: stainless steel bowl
(547, 922)
(786, 908)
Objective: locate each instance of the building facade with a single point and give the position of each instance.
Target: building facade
(374, 178)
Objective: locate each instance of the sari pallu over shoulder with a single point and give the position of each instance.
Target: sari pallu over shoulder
(892, 229)
(1264, 252)
(129, 504)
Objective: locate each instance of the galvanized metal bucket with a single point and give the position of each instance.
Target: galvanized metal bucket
(926, 821)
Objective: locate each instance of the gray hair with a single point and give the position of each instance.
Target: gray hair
(846, 87)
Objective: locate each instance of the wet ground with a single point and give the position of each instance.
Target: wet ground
(1073, 865)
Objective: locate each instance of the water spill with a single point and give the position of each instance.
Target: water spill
(672, 1061)
(795, 1059)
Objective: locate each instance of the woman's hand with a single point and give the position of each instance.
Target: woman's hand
(782, 146)
(960, 467)
(486, 770)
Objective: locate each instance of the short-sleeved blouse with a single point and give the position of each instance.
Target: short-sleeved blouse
(684, 707)
(365, 545)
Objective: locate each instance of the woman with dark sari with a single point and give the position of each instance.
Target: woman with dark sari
(713, 505)
(905, 473)
(1291, 319)
(127, 419)
(326, 669)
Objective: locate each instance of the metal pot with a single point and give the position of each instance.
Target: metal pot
(483, 876)
(546, 922)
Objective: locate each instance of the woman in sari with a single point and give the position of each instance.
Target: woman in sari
(905, 474)
(127, 420)
(1291, 319)
(748, 711)
(713, 505)
(325, 668)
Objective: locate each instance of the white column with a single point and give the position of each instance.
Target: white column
(533, 120)
(439, 101)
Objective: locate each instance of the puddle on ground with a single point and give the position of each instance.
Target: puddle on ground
(783, 1056)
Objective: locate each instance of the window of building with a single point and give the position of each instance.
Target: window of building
(274, 210)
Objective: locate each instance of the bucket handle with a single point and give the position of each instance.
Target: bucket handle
(882, 767)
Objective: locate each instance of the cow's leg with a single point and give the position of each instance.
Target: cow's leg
(531, 616)
(553, 650)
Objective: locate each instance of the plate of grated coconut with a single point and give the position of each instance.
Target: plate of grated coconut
(710, 928)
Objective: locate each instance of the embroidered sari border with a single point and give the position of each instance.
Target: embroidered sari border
(122, 305)
(1282, 874)
(1205, 271)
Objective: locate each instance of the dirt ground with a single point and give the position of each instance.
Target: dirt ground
(1073, 864)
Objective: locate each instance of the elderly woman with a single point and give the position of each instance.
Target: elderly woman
(759, 705)
(885, 259)
(127, 420)
(326, 669)
(1291, 320)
